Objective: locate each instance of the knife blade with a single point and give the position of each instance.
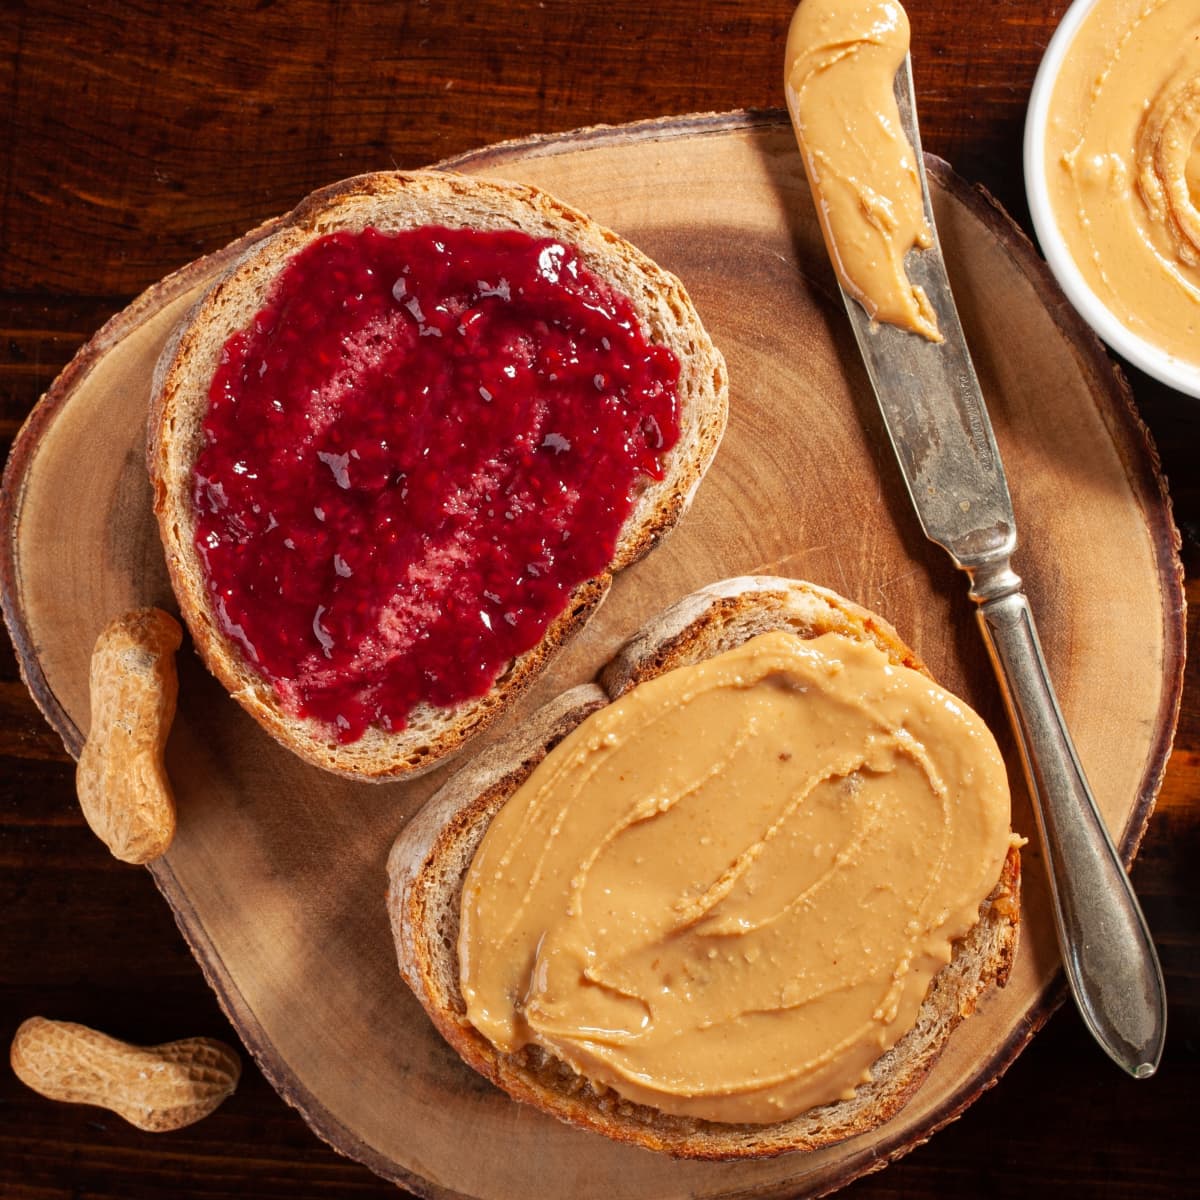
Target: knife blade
(933, 407)
(937, 421)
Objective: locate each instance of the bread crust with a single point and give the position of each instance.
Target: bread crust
(391, 201)
(430, 857)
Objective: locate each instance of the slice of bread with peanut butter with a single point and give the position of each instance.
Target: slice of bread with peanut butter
(731, 899)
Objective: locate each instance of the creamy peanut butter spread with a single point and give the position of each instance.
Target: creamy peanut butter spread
(1123, 165)
(842, 58)
(725, 894)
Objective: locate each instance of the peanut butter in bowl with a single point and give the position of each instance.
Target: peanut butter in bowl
(1112, 159)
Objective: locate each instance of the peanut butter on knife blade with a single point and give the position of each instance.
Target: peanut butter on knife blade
(842, 56)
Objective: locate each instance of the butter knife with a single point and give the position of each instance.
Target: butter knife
(938, 425)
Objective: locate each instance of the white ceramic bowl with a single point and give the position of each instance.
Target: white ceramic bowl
(1184, 377)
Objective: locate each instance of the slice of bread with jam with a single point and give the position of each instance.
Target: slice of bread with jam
(400, 448)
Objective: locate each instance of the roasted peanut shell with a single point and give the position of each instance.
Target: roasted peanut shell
(121, 779)
(156, 1088)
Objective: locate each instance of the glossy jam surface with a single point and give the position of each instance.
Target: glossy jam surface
(418, 449)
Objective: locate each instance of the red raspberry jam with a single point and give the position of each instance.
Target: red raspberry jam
(417, 450)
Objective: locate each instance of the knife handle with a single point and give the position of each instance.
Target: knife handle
(1108, 953)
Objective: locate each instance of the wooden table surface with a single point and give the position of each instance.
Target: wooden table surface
(140, 135)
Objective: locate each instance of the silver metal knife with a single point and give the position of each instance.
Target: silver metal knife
(939, 428)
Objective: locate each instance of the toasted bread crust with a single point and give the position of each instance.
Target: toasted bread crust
(392, 201)
(429, 860)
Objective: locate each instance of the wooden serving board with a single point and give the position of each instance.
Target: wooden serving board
(277, 874)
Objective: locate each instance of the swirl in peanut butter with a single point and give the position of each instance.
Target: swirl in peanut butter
(725, 894)
(1123, 165)
(842, 59)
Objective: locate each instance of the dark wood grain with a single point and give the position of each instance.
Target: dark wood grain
(140, 135)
